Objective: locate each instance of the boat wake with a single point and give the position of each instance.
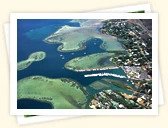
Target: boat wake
(104, 74)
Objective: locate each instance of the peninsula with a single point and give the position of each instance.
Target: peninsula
(74, 38)
(93, 62)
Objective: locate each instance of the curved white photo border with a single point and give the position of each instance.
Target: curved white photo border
(131, 8)
(146, 7)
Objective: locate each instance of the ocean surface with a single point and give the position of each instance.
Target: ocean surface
(31, 34)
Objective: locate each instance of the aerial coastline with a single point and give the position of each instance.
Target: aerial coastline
(118, 72)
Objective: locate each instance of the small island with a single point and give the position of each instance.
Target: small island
(62, 93)
(36, 56)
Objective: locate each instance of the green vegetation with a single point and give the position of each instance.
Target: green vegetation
(62, 93)
(114, 85)
(136, 37)
(109, 99)
(74, 39)
(37, 56)
(91, 62)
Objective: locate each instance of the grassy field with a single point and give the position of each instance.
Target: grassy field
(61, 93)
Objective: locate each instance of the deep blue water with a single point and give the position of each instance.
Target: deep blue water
(33, 104)
(30, 39)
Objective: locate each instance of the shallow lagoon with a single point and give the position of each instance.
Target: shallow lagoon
(75, 38)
